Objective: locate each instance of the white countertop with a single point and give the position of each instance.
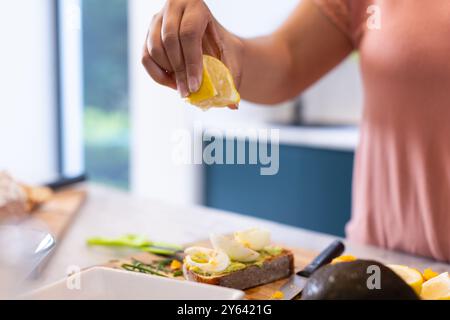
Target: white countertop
(110, 212)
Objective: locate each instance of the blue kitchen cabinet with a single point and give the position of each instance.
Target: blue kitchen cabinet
(312, 189)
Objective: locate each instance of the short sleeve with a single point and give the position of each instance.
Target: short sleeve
(347, 15)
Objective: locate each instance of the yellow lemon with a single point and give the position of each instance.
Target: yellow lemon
(345, 258)
(206, 92)
(217, 88)
(411, 276)
(277, 295)
(429, 274)
(176, 265)
(437, 288)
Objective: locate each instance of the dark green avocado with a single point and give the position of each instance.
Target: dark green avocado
(351, 281)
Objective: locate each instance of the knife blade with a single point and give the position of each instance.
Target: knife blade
(297, 282)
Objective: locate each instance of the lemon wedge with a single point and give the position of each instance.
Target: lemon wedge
(411, 276)
(217, 88)
(437, 288)
(429, 274)
(345, 258)
(206, 92)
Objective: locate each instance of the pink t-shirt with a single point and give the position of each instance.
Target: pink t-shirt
(401, 188)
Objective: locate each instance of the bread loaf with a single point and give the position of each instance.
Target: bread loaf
(12, 199)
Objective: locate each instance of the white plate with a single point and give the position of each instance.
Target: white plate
(109, 284)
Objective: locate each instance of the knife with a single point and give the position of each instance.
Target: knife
(169, 253)
(297, 282)
(66, 182)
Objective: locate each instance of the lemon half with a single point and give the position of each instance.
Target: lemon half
(437, 288)
(217, 88)
(411, 276)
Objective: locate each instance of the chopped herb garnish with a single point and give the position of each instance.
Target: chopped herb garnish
(142, 269)
(178, 273)
(164, 263)
(159, 268)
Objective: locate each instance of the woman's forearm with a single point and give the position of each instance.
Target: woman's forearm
(280, 66)
(266, 70)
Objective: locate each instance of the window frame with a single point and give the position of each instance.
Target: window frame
(69, 92)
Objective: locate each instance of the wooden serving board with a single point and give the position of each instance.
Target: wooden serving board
(301, 259)
(57, 213)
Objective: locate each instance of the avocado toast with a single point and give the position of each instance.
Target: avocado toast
(244, 276)
(245, 261)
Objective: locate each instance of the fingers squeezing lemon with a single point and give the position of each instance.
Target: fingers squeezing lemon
(217, 89)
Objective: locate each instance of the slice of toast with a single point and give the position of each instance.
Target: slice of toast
(272, 269)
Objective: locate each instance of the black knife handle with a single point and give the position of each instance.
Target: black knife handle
(66, 182)
(334, 250)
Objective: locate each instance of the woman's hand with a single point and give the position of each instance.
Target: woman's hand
(267, 70)
(179, 35)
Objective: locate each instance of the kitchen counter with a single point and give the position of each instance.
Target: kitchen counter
(109, 212)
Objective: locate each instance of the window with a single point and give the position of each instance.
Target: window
(105, 86)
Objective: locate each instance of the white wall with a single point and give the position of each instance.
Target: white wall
(337, 98)
(157, 112)
(27, 106)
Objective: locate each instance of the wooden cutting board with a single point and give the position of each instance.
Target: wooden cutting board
(58, 212)
(301, 259)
